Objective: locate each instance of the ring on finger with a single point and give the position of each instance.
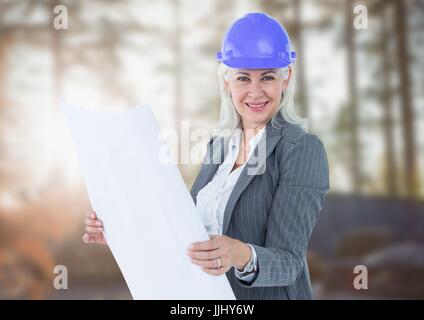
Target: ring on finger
(219, 263)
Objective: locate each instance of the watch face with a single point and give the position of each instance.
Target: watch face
(249, 268)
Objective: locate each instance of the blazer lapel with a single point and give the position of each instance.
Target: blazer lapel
(213, 159)
(266, 145)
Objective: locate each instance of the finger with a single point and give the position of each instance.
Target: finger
(94, 229)
(94, 238)
(99, 238)
(215, 272)
(87, 238)
(93, 222)
(91, 214)
(204, 245)
(209, 264)
(205, 255)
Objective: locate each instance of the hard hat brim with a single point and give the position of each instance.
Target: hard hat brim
(256, 63)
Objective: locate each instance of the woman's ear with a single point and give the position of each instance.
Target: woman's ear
(227, 87)
(287, 80)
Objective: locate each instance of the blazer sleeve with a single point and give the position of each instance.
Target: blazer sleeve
(303, 183)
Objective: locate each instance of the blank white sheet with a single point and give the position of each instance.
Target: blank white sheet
(149, 216)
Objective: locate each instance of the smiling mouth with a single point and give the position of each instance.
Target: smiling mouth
(257, 106)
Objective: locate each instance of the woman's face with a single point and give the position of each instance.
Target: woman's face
(256, 93)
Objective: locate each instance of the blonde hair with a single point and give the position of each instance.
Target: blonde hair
(230, 119)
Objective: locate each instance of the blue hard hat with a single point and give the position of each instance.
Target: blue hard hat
(256, 41)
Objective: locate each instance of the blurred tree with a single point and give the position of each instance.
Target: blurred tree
(346, 126)
(99, 55)
(203, 76)
(27, 29)
(223, 16)
(353, 98)
(403, 59)
(386, 96)
(302, 91)
(290, 14)
(379, 46)
(106, 37)
(56, 48)
(5, 43)
(178, 63)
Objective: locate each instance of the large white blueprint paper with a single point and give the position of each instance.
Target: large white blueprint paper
(148, 213)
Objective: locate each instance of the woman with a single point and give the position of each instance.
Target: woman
(260, 189)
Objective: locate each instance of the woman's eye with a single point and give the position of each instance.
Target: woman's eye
(268, 78)
(243, 79)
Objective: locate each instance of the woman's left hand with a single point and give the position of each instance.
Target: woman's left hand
(218, 255)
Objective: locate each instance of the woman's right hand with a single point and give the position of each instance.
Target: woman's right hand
(94, 229)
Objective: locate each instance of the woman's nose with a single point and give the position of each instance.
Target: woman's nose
(255, 89)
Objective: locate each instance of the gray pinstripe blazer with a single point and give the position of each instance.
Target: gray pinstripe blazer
(275, 209)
